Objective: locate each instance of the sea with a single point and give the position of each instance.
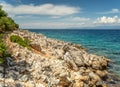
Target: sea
(96, 41)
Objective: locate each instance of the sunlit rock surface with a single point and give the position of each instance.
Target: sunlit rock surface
(52, 63)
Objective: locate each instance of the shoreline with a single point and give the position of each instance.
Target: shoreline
(55, 63)
(109, 49)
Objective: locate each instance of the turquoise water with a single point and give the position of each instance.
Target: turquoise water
(100, 42)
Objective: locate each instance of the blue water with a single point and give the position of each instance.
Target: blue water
(100, 42)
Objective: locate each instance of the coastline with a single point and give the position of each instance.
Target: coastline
(54, 63)
(99, 42)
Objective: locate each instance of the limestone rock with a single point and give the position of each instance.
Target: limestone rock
(35, 46)
(51, 63)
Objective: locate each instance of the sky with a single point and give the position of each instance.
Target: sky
(64, 14)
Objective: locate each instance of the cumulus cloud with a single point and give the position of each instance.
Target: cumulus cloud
(107, 20)
(44, 9)
(113, 11)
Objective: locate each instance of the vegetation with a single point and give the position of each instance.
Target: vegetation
(6, 23)
(3, 49)
(23, 42)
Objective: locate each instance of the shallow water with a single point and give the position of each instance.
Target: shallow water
(100, 42)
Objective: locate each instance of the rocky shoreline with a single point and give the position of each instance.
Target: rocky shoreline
(53, 63)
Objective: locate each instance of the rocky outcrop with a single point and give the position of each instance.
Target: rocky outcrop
(51, 63)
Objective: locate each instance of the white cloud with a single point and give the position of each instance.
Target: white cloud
(52, 25)
(72, 23)
(113, 11)
(73, 19)
(23, 17)
(107, 20)
(45, 9)
(68, 24)
(56, 16)
(77, 19)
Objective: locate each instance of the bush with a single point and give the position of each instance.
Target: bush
(2, 47)
(16, 39)
(3, 50)
(6, 23)
(23, 42)
(2, 13)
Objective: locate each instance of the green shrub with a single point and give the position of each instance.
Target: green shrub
(16, 39)
(23, 42)
(6, 23)
(2, 13)
(2, 47)
(3, 50)
(27, 41)
(1, 37)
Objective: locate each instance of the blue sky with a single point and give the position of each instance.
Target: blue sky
(64, 14)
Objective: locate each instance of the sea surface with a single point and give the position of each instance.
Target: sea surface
(100, 42)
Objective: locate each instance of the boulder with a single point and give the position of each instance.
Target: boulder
(35, 46)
